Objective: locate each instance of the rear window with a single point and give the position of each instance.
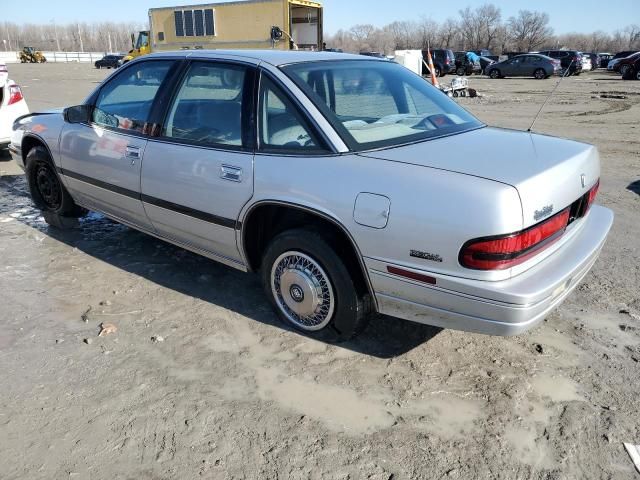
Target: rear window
(374, 104)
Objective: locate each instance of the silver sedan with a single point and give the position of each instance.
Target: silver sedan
(349, 183)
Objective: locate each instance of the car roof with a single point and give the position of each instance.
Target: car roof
(274, 57)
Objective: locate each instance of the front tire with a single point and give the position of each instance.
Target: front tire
(540, 74)
(494, 73)
(310, 287)
(47, 191)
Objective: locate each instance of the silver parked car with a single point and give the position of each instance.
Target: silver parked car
(529, 65)
(348, 182)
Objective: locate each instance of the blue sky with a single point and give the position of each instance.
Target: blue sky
(566, 16)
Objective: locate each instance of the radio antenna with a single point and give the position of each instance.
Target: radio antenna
(564, 74)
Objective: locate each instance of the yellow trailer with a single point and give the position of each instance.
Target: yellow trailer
(240, 24)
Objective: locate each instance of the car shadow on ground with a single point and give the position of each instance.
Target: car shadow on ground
(190, 274)
(634, 187)
(5, 156)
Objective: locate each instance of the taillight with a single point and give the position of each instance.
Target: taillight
(593, 193)
(15, 94)
(506, 251)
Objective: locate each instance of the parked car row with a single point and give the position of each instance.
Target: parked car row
(545, 63)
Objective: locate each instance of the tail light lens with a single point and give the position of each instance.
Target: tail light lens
(505, 251)
(15, 94)
(593, 193)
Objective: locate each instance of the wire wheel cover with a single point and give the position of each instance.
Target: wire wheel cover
(302, 290)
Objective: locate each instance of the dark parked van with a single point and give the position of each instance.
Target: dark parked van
(444, 61)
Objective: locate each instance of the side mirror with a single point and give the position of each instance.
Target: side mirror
(77, 114)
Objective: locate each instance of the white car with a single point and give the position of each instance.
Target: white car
(12, 105)
(586, 63)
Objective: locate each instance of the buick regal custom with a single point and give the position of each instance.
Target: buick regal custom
(349, 183)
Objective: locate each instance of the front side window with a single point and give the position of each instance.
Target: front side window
(281, 126)
(208, 106)
(125, 102)
(375, 104)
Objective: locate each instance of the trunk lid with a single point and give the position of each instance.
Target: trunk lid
(549, 173)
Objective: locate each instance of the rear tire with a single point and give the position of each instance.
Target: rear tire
(47, 191)
(460, 71)
(310, 287)
(629, 74)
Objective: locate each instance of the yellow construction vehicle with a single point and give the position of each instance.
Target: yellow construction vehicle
(29, 55)
(281, 24)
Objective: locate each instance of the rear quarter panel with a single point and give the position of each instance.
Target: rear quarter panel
(431, 210)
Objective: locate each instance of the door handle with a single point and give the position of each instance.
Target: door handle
(133, 153)
(229, 172)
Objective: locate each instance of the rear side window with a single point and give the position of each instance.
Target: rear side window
(208, 106)
(281, 126)
(125, 101)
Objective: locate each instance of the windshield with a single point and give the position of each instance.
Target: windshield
(143, 39)
(375, 104)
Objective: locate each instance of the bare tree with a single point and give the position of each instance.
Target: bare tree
(448, 34)
(362, 33)
(632, 36)
(529, 30)
(490, 21)
(402, 34)
(427, 33)
(96, 37)
(480, 27)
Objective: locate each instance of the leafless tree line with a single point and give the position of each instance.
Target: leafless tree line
(480, 28)
(76, 37)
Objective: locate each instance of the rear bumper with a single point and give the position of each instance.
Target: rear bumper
(505, 307)
(16, 154)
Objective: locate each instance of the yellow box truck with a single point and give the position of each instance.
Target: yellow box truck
(281, 24)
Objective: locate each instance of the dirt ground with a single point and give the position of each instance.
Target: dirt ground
(201, 380)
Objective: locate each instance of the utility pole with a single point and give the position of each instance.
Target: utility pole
(80, 36)
(109, 37)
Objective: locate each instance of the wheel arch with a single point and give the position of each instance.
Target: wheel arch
(282, 215)
(30, 141)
